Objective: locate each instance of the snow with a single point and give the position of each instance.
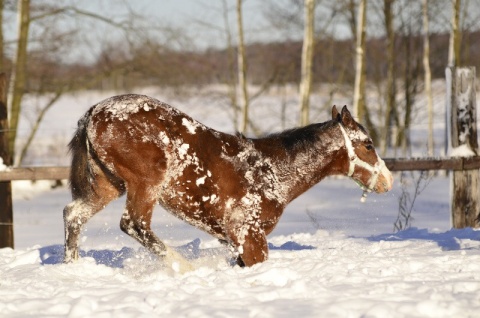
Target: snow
(3, 167)
(330, 256)
(191, 126)
(462, 151)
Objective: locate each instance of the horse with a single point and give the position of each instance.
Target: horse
(234, 188)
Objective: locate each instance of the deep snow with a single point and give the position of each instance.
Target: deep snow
(330, 255)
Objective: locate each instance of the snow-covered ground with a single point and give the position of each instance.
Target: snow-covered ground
(330, 255)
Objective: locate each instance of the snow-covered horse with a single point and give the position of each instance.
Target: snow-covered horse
(234, 188)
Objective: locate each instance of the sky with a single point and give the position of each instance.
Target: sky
(201, 23)
(202, 20)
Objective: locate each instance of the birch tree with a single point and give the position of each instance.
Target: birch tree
(231, 80)
(427, 75)
(242, 69)
(454, 45)
(359, 89)
(307, 61)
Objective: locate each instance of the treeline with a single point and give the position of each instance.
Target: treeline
(277, 63)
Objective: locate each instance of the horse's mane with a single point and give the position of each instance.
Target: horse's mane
(302, 137)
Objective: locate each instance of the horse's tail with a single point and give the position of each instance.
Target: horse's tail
(81, 176)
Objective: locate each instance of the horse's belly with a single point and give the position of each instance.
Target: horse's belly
(195, 214)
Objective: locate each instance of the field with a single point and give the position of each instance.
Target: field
(330, 255)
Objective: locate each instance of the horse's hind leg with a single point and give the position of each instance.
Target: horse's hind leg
(137, 217)
(75, 214)
(136, 222)
(81, 209)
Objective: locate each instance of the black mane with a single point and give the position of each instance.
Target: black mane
(302, 137)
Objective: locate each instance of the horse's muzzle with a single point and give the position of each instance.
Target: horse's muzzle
(384, 182)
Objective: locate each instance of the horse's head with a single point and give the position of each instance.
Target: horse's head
(364, 165)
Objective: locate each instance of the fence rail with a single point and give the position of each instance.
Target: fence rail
(35, 173)
(452, 163)
(394, 164)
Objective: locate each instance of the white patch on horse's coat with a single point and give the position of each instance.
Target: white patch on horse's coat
(213, 198)
(164, 138)
(77, 210)
(190, 125)
(201, 180)
(262, 175)
(146, 107)
(183, 150)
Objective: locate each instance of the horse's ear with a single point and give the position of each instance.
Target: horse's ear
(347, 119)
(335, 114)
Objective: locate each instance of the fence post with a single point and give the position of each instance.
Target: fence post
(6, 210)
(465, 206)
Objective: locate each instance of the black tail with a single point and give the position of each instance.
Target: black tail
(81, 176)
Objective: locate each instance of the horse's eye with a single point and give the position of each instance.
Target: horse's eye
(369, 147)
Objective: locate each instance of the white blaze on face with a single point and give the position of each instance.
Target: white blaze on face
(387, 175)
(376, 170)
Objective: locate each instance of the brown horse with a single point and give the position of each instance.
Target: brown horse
(234, 188)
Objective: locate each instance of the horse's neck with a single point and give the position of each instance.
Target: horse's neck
(299, 167)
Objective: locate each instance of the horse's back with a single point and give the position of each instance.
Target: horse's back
(183, 163)
(130, 135)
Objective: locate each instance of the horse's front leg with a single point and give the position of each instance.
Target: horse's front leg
(250, 243)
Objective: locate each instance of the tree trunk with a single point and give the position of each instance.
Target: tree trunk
(307, 62)
(231, 78)
(242, 69)
(6, 208)
(454, 45)
(2, 53)
(428, 77)
(411, 75)
(359, 89)
(390, 89)
(18, 79)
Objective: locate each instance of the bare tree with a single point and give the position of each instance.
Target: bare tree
(231, 80)
(307, 62)
(428, 76)
(242, 68)
(410, 27)
(2, 50)
(454, 46)
(33, 67)
(359, 88)
(18, 77)
(390, 82)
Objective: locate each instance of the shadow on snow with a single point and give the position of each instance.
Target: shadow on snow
(53, 254)
(448, 241)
